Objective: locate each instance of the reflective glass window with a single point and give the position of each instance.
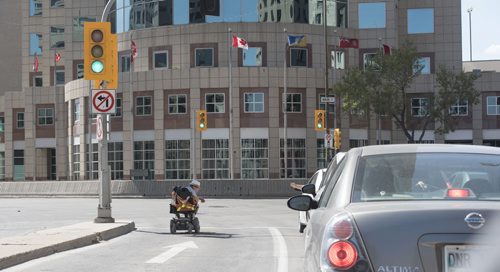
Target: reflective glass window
(204, 57)
(298, 57)
(252, 56)
(56, 3)
(420, 21)
(35, 7)
(371, 15)
(35, 44)
(423, 63)
(56, 37)
(160, 59)
(78, 27)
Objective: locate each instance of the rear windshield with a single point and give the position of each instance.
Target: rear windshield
(426, 176)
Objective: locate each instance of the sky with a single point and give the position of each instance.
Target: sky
(485, 29)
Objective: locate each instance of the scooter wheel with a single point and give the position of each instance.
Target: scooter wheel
(173, 227)
(196, 224)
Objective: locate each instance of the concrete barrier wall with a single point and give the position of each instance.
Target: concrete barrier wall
(210, 188)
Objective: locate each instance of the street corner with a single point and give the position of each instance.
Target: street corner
(20, 249)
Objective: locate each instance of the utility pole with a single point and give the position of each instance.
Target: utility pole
(327, 64)
(470, 32)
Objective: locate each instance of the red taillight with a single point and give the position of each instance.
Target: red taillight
(342, 255)
(458, 193)
(342, 230)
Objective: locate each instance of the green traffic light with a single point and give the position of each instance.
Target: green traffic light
(97, 66)
(320, 125)
(202, 125)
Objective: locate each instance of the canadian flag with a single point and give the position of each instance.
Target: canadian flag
(35, 64)
(239, 42)
(387, 49)
(348, 43)
(133, 53)
(58, 57)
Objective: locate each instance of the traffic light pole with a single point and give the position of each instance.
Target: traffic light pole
(104, 209)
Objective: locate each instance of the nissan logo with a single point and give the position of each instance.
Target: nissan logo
(475, 220)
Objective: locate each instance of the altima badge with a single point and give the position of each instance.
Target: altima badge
(475, 220)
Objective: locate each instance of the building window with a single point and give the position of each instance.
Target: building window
(19, 165)
(419, 107)
(177, 104)
(115, 159)
(95, 162)
(125, 63)
(78, 27)
(20, 120)
(35, 7)
(204, 57)
(493, 103)
(371, 15)
(60, 80)
(338, 60)
(76, 110)
(143, 106)
(460, 108)
(160, 59)
(144, 157)
(357, 143)
(252, 56)
(215, 159)
(38, 80)
(56, 3)
(294, 102)
(296, 158)
(79, 71)
(254, 102)
(298, 57)
(2, 124)
(45, 116)
(76, 161)
(214, 103)
(118, 108)
(321, 105)
(254, 159)
(35, 44)
(177, 159)
(56, 37)
(369, 60)
(424, 64)
(420, 21)
(320, 154)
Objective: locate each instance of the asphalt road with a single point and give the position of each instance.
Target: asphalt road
(236, 235)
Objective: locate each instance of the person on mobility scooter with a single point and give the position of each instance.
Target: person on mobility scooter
(185, 202)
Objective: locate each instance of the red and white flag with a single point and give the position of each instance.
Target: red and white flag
(348, 43)
(239, 42)
(58, 57)
(133, 51)
(387, 49)
(35, 64)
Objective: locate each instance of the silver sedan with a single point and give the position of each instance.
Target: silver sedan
(395, 208)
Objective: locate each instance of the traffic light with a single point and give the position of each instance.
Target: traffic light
(336, 138)
(319, 120)
(97, 51)
(201, 120)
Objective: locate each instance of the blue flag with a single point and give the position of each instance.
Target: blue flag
(297, 41)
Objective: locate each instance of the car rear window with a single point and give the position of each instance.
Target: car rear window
(427, 176)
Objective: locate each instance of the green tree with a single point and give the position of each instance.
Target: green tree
(382, 87)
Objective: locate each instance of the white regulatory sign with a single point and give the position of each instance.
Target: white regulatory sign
(329, 139)
(328, 99)
(99, 131)
(103, 101)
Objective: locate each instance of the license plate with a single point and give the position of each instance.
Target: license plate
(462, 258)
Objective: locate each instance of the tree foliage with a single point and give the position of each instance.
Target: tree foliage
(383, 86)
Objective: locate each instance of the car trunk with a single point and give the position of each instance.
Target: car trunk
(411, 236)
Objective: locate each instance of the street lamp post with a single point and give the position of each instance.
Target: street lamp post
(470, 31)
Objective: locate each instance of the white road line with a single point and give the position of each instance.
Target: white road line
(172, 252)
(280, 250)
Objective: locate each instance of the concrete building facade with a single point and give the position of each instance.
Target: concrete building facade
(181, 66)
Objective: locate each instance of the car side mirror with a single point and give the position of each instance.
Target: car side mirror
(302, 203)
(309, 189)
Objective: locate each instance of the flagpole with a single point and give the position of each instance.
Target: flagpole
(284, 99)
(327, 60)
(379, 122)
(231, 170)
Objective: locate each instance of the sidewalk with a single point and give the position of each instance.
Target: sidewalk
(20, 249)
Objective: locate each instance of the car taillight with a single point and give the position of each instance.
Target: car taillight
(458, 193)
(342, 255)
(343, 229)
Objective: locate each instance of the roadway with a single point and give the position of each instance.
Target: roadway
(236, 235)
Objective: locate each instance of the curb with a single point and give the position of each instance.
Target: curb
(84, 241)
